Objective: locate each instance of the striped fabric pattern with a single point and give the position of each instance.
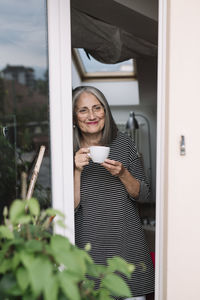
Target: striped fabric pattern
(108, 217)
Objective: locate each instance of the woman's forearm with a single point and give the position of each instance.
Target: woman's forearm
(131, 184)
(77, 184)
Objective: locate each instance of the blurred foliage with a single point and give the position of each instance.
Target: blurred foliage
(36, 264)
(23, 109)
(2, 95)
(7, 172)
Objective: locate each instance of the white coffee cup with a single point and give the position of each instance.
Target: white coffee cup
(99, 153)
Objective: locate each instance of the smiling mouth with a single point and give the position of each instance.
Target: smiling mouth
(92, 123)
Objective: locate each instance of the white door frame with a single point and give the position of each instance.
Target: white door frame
(60, 86)
(161, 151)
(59, 43)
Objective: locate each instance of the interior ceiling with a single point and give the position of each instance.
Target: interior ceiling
(148, 8)
(112, 32)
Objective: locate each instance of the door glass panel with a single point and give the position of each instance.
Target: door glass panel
(24, 103)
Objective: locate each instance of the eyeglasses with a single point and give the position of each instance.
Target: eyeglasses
(96, 109)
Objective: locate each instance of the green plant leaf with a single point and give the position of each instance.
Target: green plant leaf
(104, 295)
(5, 211)
(119, 264)
(15, 260)
(75, 277)
(42, 265)
(71, 261)
(69, 287)
(7, 283)
(48, 249)
(2, 254)
(93, 271)
(60, 243)
(87, 247)
(86, 288)
(51, 289)
(34, 207)
(36, 231)
(116, 285)
(24, 219)
(5, 266)
(27, 296)
(26, 258)
(96, 270)
(54, 212)
(14, 291)
(39, 272)
(6, 233)
(16, 241)
(17, 210)
(34, 246)
(84, 255)
(142, 266)
(22, 278)
(88, 284)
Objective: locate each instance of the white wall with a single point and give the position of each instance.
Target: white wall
(182, 199)
(117, 92)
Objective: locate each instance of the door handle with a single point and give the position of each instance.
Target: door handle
(182, 145)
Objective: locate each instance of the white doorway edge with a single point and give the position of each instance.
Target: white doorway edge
(161, 150)
(60, 88)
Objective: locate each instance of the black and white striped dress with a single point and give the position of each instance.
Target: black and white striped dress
(108, 217)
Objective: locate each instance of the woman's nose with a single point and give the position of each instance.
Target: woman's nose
(91, 114)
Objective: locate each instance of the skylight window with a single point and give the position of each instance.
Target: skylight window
(90, 68)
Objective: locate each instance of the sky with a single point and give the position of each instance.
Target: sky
(23, 37)
(23, 34)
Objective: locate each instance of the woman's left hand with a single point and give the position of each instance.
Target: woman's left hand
(114, 167)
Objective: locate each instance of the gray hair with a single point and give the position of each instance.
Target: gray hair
(110, 129)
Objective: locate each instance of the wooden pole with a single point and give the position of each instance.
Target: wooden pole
(35, 173)
(23, 185)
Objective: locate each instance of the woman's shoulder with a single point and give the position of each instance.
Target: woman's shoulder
(123, 137)
(124, 140)
(125, 145)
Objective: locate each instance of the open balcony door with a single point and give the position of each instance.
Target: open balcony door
(59, 39)
(177, 241)
(60, 88)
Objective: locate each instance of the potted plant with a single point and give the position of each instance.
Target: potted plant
(37, 264)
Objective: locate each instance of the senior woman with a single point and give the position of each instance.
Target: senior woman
(106, 194)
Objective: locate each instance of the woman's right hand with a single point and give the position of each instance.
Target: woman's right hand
(81, 158)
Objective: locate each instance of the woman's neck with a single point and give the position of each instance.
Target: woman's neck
(90, 140)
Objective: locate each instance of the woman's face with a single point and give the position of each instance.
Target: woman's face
(90, 114)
